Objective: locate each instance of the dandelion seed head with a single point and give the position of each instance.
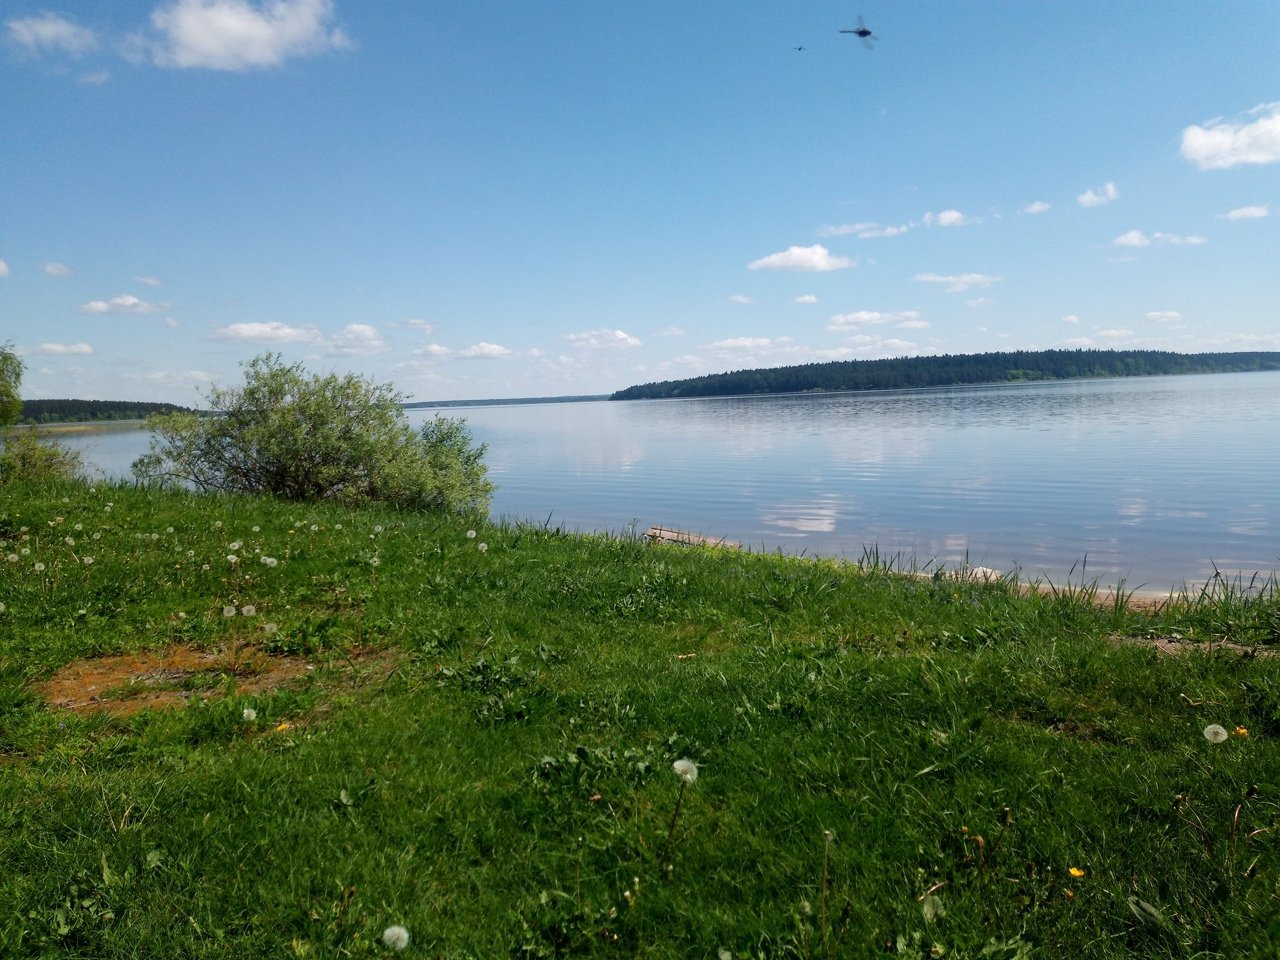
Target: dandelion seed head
(686, 770)
(377, 528)
(217, 524)
(336, 526)
(97, 534)
(396, 937)
(482, 547)
(249, 715)
(25, 551)
(471, 534)
(315, 527)
(168, 529)
(78, 527)
(87, 561)
(270, 627)
(232, 558)
(374, 561)
(12, 558)
(234, 545)
(256, 528)
(1215, 733)
(39, 566)
(228, 611)
(249, 610)
(69, 541)
(204, 567)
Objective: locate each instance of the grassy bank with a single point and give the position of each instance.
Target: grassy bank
(473, 737)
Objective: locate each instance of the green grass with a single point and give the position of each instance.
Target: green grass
(482, 751)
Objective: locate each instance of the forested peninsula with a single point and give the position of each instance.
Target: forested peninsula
(905, 373)
(83, 411)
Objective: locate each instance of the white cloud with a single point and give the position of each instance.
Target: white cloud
(1136, 238)
(816, 258)
(913, 325)
(63, 349)
(273, 332)
(947, 218)
(125, 303)
(172, 378)
(51, 32)
(746, 343)
(671, 331)
(4, 269)
(96, 78)
(484, 351)
(148, 281)
(1163, 316)
(1070, 318)
(1115, 334)
(1036, 206)
(54, 269)
(863, 318)
(239, 35)
(433, 351)
(739, 298)
(1220, 144)
(865, 231)
(1091, 198)
(959, 282)
(1248, 213)
(806, 298)
(358, 340)
(978, 302)
(603, 340)
(1078, 342)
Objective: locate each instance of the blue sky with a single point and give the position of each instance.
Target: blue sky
(501, 199)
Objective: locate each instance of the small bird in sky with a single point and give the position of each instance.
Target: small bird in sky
(863, 33)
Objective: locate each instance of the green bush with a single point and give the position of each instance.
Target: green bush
(312, 438)
(23, 455)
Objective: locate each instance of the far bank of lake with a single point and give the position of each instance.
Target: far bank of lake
(1149, 482)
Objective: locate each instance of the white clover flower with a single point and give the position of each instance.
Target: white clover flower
(249, 715)
(471, 534)
(249, 610)
(1215, 733)
(228, 611)
(396, 937)
(686, 770)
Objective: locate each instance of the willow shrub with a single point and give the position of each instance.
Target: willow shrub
(314, 438)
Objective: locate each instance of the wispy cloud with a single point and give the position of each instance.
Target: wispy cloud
(806, 298)
(959, 282)
(947, 218)
(864, 231)
(54, 269)
(357, 340)
(863, 318)
(272, 332)
(433, 351)
(1163, 316)
(125, 303)
(1248, 213)
(485, 351)
(238, 35)
(1096, 198)
(1221, 144)
(148, 281)
(4, 269)
(1070, 318)
(816, 258)
(51, 33)
(1036, 206)
(739, 298)
(1136, 238)
(64, 349)
(603, 340)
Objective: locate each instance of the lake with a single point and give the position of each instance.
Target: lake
(1152, 483)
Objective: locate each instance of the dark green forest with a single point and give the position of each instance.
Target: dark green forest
(906, 373)
(81, 411)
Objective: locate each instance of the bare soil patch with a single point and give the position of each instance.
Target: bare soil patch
(123, 685)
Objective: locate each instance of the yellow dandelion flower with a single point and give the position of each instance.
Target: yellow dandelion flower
(283, 725)
(1242, 731)
(1075, 872)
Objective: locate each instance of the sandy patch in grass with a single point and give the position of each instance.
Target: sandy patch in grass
(123, 685)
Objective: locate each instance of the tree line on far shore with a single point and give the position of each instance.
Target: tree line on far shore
(81, 411)
(907, 373)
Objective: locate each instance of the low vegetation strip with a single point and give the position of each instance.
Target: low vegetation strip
(480, 740)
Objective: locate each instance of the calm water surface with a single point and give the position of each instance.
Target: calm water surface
(1150, 482)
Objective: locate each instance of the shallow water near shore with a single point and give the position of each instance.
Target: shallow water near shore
(1153, 483)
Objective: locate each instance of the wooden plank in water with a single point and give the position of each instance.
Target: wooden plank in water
(683, 537)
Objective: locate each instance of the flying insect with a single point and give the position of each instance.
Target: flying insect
(863, 33)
